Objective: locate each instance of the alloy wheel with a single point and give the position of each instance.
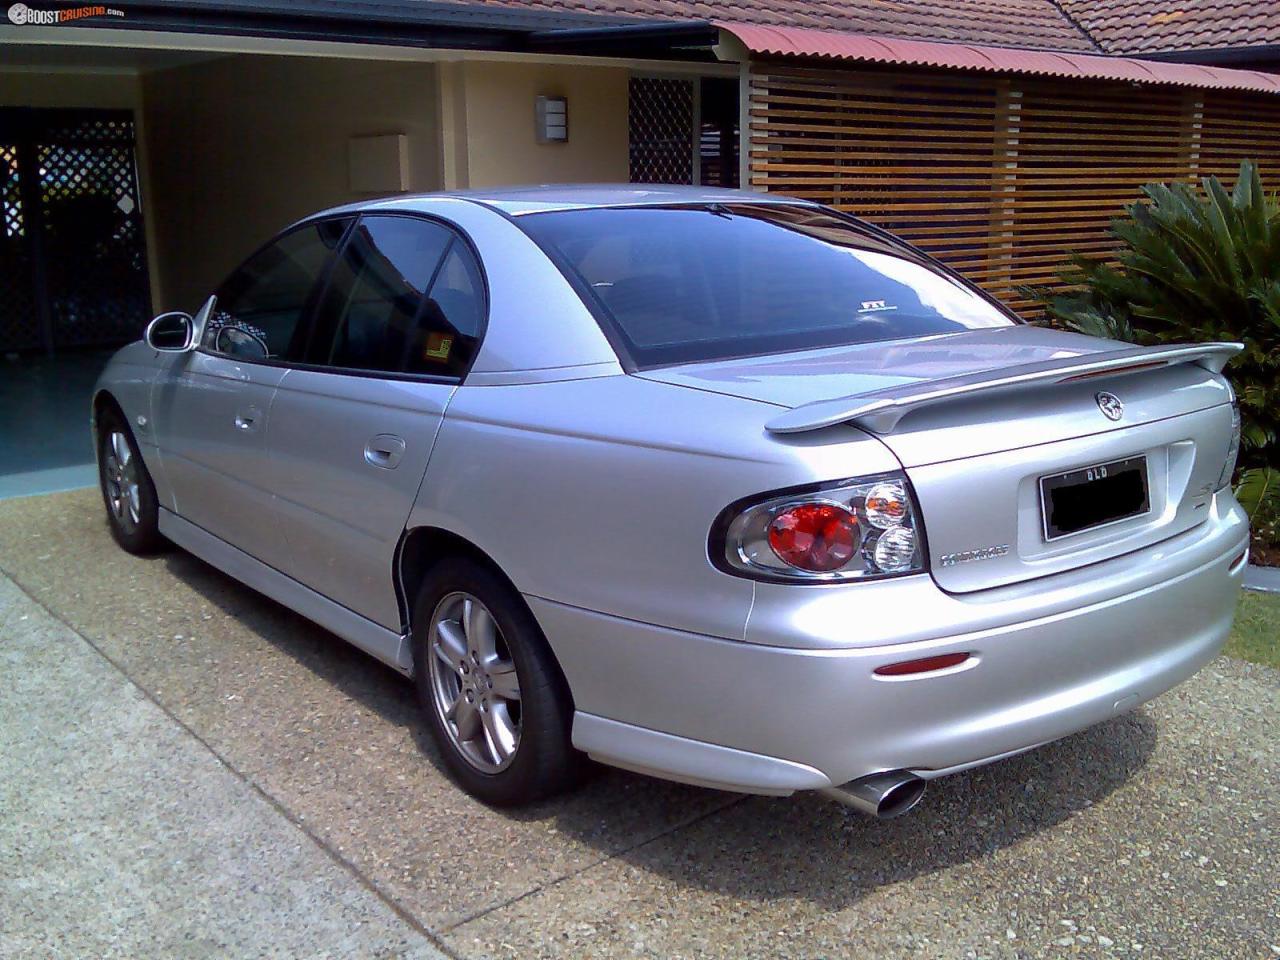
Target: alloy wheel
(474, 686)
(120, 475)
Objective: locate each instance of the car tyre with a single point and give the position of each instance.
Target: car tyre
(128, 493)
(497, 705)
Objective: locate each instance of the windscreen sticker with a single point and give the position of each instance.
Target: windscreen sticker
(438, 346)
(876, 306)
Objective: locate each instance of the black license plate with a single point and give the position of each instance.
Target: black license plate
(1094, 496)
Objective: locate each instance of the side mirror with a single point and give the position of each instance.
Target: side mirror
(201, 320)
(171, 333)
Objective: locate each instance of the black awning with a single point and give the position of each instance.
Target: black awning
(416, 23)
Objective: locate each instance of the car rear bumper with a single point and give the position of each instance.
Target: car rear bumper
(812, 713)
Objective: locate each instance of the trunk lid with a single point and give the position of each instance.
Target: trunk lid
(978, 418)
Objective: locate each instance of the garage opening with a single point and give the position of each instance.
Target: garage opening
(73, 263)
(133, 180)
(73, 282)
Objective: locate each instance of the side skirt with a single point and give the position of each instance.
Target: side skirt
(391, 648)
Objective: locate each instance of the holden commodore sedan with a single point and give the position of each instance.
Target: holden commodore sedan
(720, 487)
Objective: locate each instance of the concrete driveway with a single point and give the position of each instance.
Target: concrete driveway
(290, 776)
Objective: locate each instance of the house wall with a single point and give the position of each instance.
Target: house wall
(233, 149)
(490, 131)
(242, 146)
(99, 91)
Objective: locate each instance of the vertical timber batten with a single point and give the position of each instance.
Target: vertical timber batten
(999, 177)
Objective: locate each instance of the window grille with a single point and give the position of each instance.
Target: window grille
(661, 128)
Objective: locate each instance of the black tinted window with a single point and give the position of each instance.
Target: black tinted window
(258, 309)
(696, 283)
(401, 299)
(450, 325)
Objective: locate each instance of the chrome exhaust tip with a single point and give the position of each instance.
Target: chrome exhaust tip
(882, 795)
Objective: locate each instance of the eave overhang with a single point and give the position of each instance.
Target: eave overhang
(798, 42)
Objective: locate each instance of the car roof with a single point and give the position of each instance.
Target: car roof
(519, 200)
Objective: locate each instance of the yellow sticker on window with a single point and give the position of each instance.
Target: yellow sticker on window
(438, 346)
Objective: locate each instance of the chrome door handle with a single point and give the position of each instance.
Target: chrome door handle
(384, 450)
(243, 422)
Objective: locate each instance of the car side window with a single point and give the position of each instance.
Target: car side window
(258, 310)
(449, 329)
(402, 298)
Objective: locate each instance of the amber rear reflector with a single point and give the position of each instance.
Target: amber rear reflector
(927, 665)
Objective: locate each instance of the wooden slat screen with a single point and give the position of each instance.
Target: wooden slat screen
(1237, 126)
(999, 177)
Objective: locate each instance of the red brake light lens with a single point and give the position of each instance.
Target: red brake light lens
(827, 533)
(815, 536)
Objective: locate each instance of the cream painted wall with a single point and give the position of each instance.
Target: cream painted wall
(233, 149)
(103, 91)
(242, 146)
(500, 144)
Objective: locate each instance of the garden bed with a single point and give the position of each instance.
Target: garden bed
(1264, 554)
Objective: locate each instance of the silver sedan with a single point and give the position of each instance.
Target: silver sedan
(720, 487)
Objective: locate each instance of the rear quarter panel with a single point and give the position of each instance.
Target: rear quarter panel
(601, 493)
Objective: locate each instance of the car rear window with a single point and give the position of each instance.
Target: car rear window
(711, 282)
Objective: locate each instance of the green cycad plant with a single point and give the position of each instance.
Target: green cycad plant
(1258, 490)
(1193, 264)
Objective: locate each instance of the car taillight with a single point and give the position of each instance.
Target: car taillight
(1233, 448)
(814, 536)
(846, 530)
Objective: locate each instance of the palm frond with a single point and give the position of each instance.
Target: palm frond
(1193, 262)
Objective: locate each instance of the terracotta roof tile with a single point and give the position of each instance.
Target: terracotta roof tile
(1120, 27)
(1027, 24)
(1148, 26)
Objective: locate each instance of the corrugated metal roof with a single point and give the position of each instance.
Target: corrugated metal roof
(800, 42)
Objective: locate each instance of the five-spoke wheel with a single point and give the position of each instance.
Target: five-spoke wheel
(498, 706)
(127, 490)
(120, 477)
(474, 682)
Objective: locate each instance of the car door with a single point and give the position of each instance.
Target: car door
(212, 406)
(353, 425)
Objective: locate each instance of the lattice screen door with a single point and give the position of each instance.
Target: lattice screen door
(73, 265)
(665, 112)
(661, 126)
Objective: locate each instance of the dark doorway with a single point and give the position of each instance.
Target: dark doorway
(718, 132)
(73, 260)
(684, 130)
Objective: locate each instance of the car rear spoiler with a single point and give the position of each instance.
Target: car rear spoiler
(880, 410)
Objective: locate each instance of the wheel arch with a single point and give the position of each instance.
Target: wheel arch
(103, 401)
(423, 547)
(420, 549)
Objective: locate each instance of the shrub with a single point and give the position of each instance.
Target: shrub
(1258, 491)
(1194, 264)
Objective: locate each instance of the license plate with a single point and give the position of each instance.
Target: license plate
(1093, 497)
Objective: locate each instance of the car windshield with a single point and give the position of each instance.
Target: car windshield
(712, 282)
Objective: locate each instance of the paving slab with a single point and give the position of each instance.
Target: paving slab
(334, 736)
(1262, 579)
(1153, 835)
(124, 836)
